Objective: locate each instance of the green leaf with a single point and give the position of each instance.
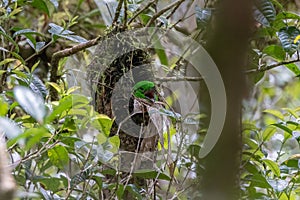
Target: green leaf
(10, 39)
(145, 18)
(251, 143)
(134, 190)
(194, 150)
(72, 89)
(26, 32)
(41, 5)
(275, 113)
(268, 133)
(101, 138)
(70, 141)
(115, 141)
(6, 61)
(37, 46)
(38, 86)
(32, 81)
(151, 174)
(66, 103)
(256, 77)
(291, 111)
(74, 38)
(58, 155)
(34, 136)
(259, 181)
(294, 68)
(61, 32)
(275, 51)
(102, 123)
(273, 166)
(81, 112)
(120, 191)
(30, 102)
(9, 128)
(35, 84)
(159, 50)
(98, 179)
(78, 178)
(264, 12)
(15, 11)
(287, 15)
(283, 127)
(4, 107)
(248, 125)
(58, 30)
(49, 183)
(287, 36)
(58, 88)
(104, 155)
(251, 168)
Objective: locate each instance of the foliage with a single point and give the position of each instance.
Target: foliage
(270, 133)
(61, 148)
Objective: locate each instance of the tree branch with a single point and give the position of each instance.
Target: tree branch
(140, 11)
(175, 8)
(161, 12)
(266, 68)
(174, 78)
(118, 11)
(65, 53)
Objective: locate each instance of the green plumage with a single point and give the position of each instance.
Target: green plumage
(145, 90)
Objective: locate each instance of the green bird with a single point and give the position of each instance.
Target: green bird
(145, 90)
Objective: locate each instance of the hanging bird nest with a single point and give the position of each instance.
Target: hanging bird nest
(120, 61)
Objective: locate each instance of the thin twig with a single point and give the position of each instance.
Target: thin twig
(174, 164)
(36, 153)
(174, 10)
(135, 158)
(271, 66)
(161, 12)
(140, 11)
(107, 7)
(174, 78)
(125, 13)
(118, 11)
(38, 52)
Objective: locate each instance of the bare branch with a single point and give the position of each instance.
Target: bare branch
(266, 68)
(125, 13)
(141, 10)
(175, 8)
(118, 11)
(161, 12)
(174, 78)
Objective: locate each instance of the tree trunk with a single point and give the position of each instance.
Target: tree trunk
(227, 45)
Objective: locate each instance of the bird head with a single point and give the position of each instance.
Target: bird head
(145, 90)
